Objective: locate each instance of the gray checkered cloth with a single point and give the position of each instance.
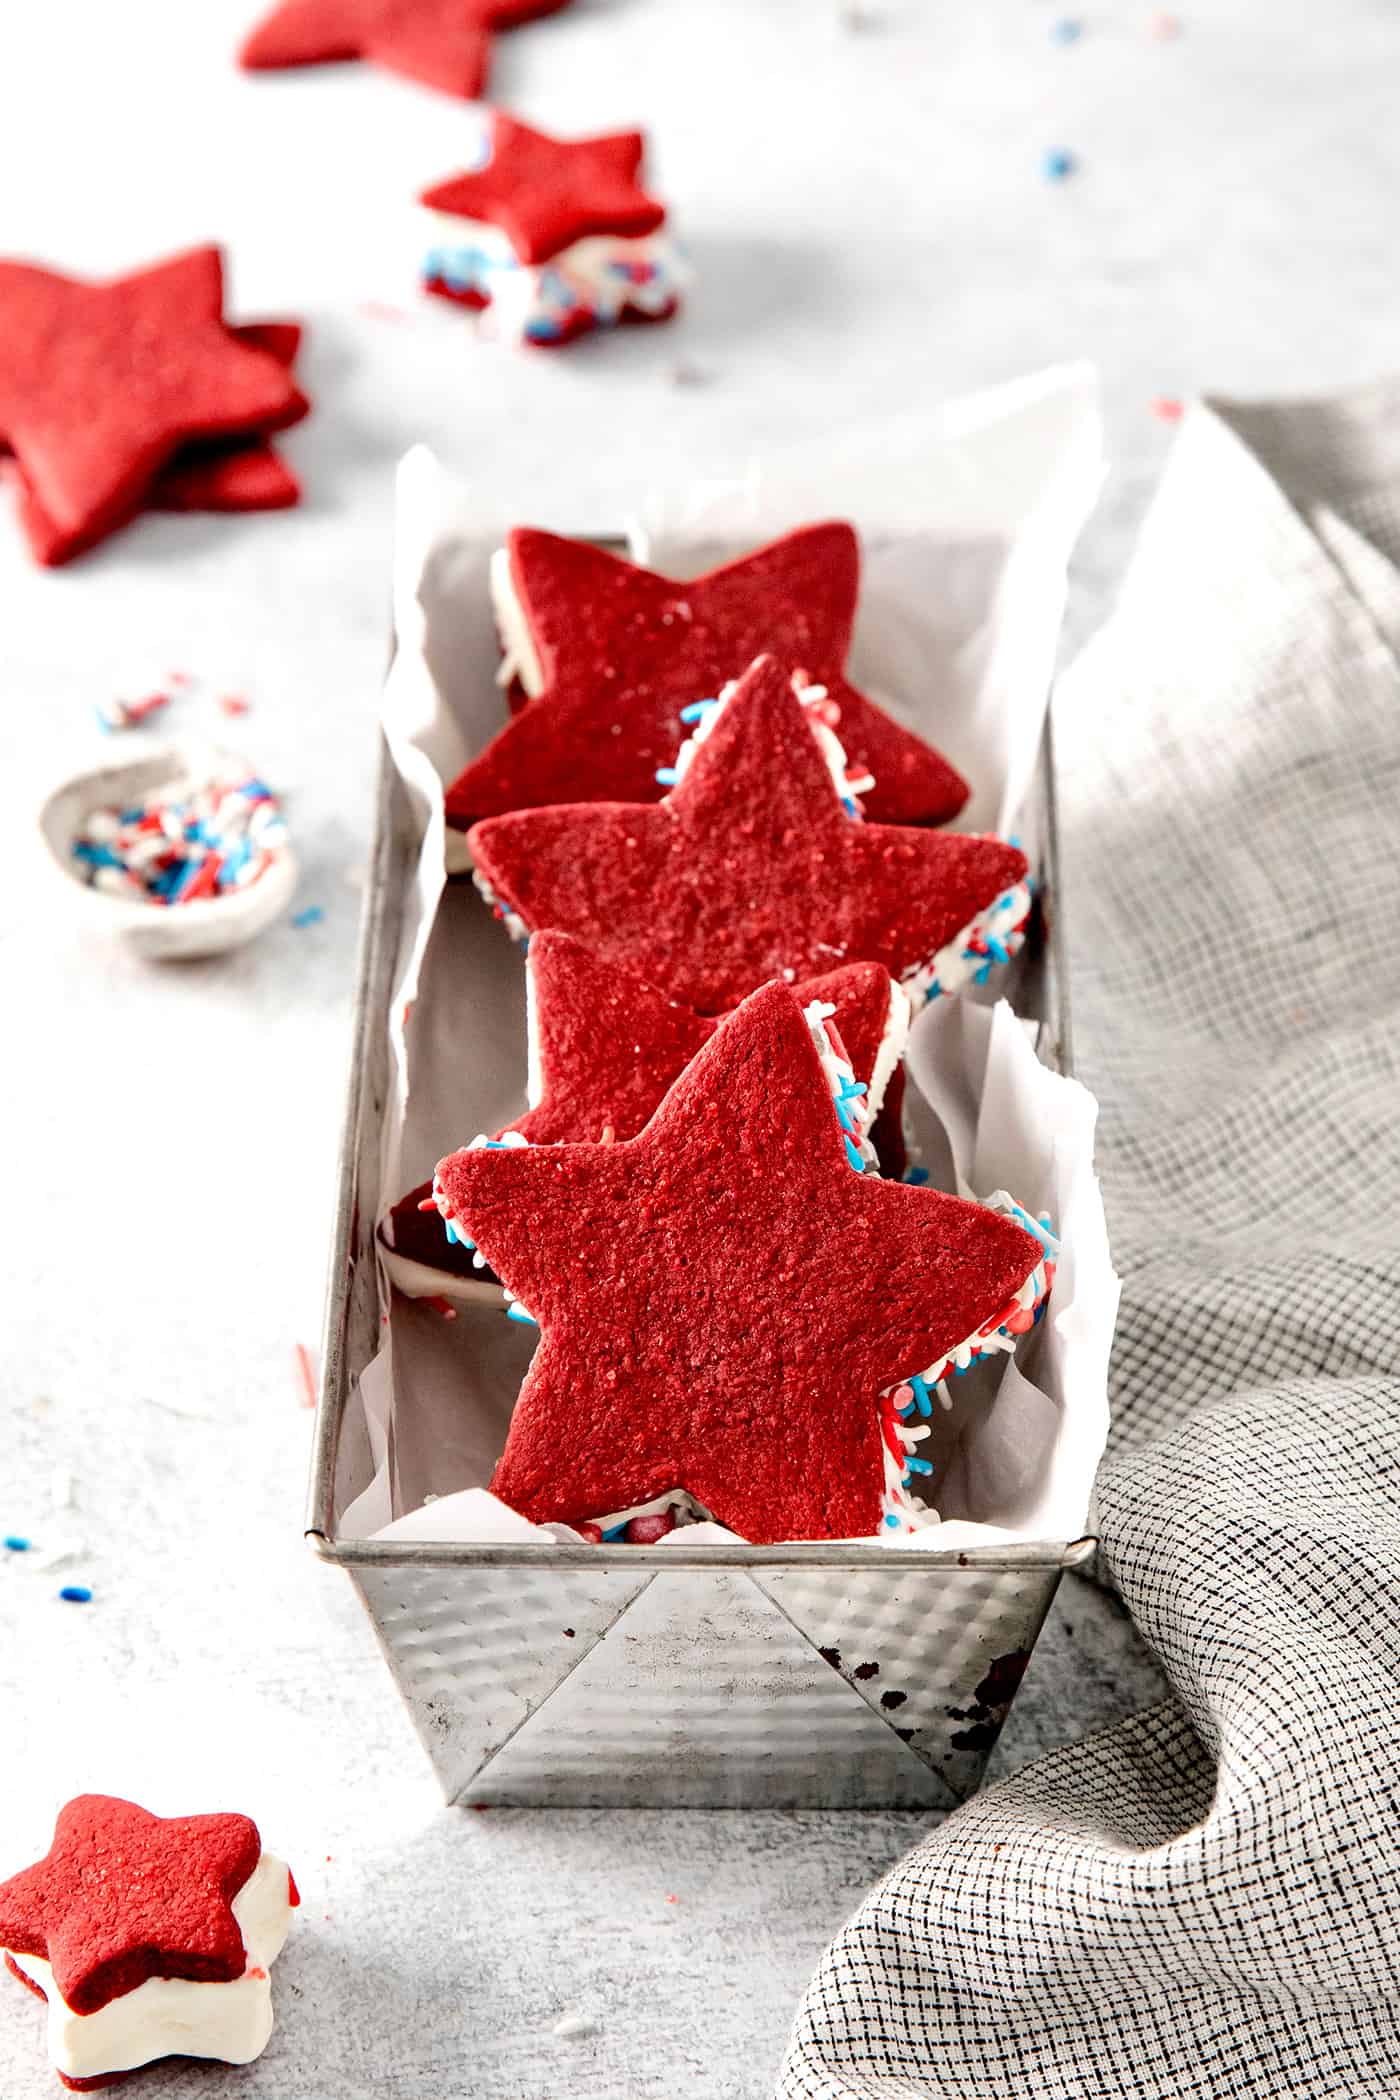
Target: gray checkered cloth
(1205, 1900)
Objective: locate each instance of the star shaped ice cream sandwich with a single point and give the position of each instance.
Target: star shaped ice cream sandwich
(443, 44)
(105, 388)
(615, 657)
(752, 867)
(148, 1937)
(604, 1046)
(554, 236)
(727, 1310)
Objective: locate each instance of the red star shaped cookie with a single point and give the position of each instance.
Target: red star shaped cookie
(442, 44)
(122, 1896)
(241, 473)
(722, 1301)
(546, 193)
(102, 385)
(750, 869)
(621, 651)
(605, 1046)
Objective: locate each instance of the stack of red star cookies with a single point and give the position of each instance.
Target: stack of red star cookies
(138, 395)
(726, 867)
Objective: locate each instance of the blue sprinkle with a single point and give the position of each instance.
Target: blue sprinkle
(95, 856)
(845, 1117)
(697, 710)
(919, 1465)
(849, 806)
(853, 1156)
(892, 1521)
(921, 1395)
(666, 776)
(915, 1177)
(518, 1312)
(851, 1089)
(905, 1412)
(961, 1370)
(997, 949)
(981, 976)
(1066, 31)
(15, 1544)
(312, 915)
(619, 1531)
(1057, 163)
(75, 1593)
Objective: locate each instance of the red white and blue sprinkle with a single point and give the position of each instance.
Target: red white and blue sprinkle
(184, 843)
(129, 714)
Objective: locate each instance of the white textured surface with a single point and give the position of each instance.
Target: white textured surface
(868, 222)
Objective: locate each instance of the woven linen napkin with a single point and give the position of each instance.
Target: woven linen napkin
(1205, 1899)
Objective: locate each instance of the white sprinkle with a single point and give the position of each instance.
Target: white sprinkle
(575, 2027)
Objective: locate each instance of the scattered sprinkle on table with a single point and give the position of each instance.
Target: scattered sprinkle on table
(1067, 30)
(1057, 163)
(305, 1365)
(75, 1593)
(575, 2027)
(129, 714)
(234, 704)
(15, 1544)
(309, 915)
(1168, 409)
(1164, 27)
(184, 841)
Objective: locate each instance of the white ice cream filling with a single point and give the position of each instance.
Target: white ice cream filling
(519, 657)
(596, 278)
(170, 2016)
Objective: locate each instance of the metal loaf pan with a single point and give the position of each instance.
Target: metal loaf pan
(670, 1676)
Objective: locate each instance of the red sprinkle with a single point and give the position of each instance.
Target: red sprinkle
(443, 1306)
(1168, 409)
(645, 1531)
(293, 1892)
(234, 704)
(306, 1374)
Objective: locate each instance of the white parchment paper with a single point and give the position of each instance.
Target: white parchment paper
(967, 518)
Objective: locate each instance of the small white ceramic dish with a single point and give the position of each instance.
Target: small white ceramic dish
(161, 932)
